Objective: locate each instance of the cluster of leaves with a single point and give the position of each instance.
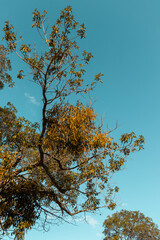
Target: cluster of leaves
(18, 142)
(130, 225)
(63, 167)
(5, 65)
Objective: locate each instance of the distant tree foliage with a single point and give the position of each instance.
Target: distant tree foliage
(130, 225)
(62, 167)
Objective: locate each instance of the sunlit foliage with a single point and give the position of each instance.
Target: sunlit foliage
(130, 225)
(62, 167)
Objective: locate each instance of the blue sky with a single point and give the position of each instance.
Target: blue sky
(124, 37)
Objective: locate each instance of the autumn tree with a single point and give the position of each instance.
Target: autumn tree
(130, 225)
(62, 167)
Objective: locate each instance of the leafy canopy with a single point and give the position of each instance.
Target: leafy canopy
(130, 225)
(62, 167)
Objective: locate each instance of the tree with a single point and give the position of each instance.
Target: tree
(130, 225)
(60, 168)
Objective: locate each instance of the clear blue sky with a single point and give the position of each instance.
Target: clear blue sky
(124, 37)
